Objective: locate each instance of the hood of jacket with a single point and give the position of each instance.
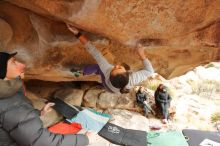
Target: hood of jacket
(9, 87)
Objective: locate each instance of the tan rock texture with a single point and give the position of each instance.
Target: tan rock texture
(178, 35)
(91, 98)
(71, 96)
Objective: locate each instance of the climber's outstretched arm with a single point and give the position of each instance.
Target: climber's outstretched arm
(83, 39)
(97, 55)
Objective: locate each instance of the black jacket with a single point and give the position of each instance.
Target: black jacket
(20, 124)
(162, 97)
(141, 97)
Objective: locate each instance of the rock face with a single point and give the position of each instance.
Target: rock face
(71, 96)
(178, 35)
(129, 21)
(129, 120)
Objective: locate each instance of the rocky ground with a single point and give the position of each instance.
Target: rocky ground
(196, 97)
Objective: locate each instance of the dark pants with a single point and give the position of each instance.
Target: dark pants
(95, 69)
(164, 109)
(147, 108)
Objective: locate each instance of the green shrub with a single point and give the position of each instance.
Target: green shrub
(210, 65)
(204, 88)
(153, 84)
(215, 117)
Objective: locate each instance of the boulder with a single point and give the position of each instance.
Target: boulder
(90, 98)
(107, 100)
(126, 101)
(71, 96)
(170, 31)
(128, 119)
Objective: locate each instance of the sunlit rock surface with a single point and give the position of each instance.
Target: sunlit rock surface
(177, 35)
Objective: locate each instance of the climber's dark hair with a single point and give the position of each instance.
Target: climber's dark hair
(162, 87)
(120, 81)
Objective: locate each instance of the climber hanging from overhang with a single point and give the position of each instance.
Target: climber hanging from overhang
(115, 78)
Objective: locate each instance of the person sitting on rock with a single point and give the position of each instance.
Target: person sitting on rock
(20, 123)
(115, 78)
(162, 100)
(142, 100)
